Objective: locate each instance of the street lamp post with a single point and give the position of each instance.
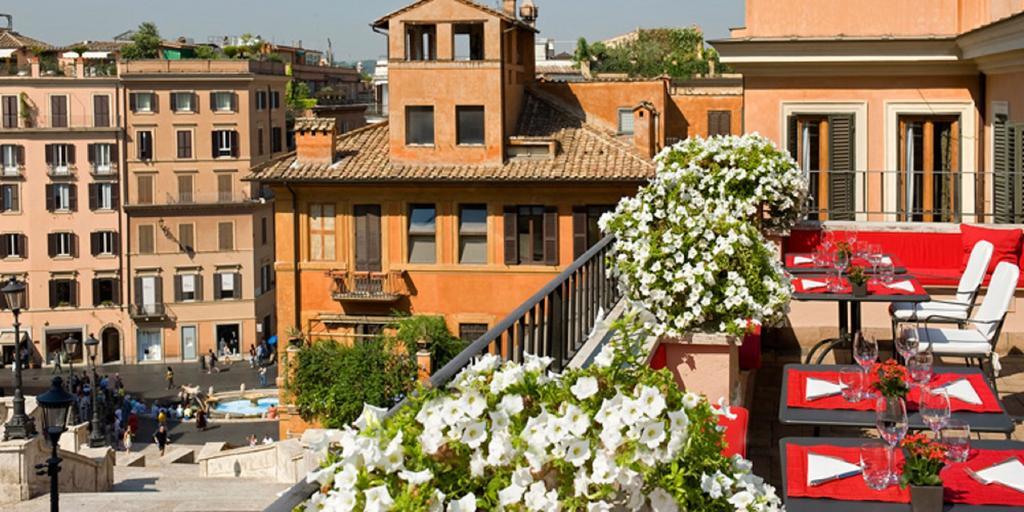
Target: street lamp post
(96, 436)
(20, 426)
(70, 346)
(55, 404)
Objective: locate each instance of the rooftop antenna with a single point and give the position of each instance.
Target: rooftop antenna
(10, 21)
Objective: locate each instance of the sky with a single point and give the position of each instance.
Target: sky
(345, 22)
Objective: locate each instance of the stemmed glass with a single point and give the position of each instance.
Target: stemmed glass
(875, 259)
(920, 366)
(865, 352)
(935, 409)
(840, 262)
(891, 420)
(906, 343)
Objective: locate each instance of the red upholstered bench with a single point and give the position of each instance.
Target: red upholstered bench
(735, 432)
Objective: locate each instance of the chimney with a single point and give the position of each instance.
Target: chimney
(645, 129)
(529, 12)
(315, 139)
(510, 7)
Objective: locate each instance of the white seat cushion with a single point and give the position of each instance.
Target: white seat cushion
(953, 341)
(923, 311)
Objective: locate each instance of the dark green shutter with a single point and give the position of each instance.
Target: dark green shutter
(1004, 208)
(792, 137)
(842, 178)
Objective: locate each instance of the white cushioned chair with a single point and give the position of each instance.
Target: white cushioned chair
(978, 339)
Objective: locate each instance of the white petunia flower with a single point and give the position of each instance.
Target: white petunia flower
(466, 503)
(584, 388)
(416, 477)
(511, 405)
(577, 452)
(378, 499)
(474, 434)
(662, 501)
(653, 434)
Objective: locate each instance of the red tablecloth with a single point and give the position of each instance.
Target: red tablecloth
(798, 285)
(797, 391)
(877, 288)
(848, 489)
(960, 488)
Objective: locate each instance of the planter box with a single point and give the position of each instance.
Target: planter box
(703, 363)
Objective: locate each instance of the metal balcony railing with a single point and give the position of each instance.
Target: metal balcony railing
(354, 286)
(61, 171)
(917, 196)
(36, 120)
(148, 312)
(103, 172)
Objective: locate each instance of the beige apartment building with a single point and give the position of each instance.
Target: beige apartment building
(199, 240)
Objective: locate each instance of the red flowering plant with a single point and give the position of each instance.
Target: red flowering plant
(924, 460)
(892, 379)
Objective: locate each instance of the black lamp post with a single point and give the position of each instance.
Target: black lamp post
(20, 426)
(97, 437)
(55, 404)
(70, 347)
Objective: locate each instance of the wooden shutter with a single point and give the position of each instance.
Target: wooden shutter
(73, 198)
(4, 252)
(550, 230)
(131, 102)
(842, 166)
(177, 288)
(95, 292)
(71, 154)
(49, 198)
(53, 294)
(511, 244)
(101, 111)
(138, 291)
(158, 289)
(579, 231)
(73, 238)
(22, 243)
(373, 239)
(94, 243)
(48, 150)
(117, 242)
(93, 195)
(91, 152)
(3, 201)
(1004, 204)
(115, 197)
(225, 236)
(234, 102)
(213, 101)
(792, 137)
(195, 103)
(213, 143)
(216, 287)
(73, 285)
(154, 102)
(20, 152)
(234, 143)
(15, 198)
(51, 244)
(237, 291)
(198, 280)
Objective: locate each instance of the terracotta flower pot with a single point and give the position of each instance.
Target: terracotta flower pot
(926, 498)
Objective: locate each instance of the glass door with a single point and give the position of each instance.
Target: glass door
(929, 168)
(148, 345)
(188, 342)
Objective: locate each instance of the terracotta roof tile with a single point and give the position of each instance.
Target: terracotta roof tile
(315, 124)
(9, 39)
(490, 10)
(586, 154)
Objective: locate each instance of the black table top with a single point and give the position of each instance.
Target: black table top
(848, 297)
(826, 505)
(979, 422)
(822, 270)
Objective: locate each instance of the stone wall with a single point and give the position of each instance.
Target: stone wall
(283, 461)
(88, 470)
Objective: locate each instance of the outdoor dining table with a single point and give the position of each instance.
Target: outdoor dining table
(990, 422)
(850, 308)
(793, 268)
(805, 504)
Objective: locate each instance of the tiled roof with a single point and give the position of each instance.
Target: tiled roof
(315, 124)
(9, 39)
(99, 46)
(490, 10)
(586, 154)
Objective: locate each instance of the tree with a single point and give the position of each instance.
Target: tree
(434, 332)
(207, 53)
(296, 94)
(145, 43)
(674, 52)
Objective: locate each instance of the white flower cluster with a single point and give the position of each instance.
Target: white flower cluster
(689, 249)
(517, 437)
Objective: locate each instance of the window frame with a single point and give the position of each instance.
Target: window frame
(319, 230)
(620, 128)
(193, 99)
(144, 145)
(425, 234)
(15, 198)
(472, 234)
(105, 202)
(65, 120)
(184, 151)
(470, 109)
(215, 105)
(136, 109)
(409, 119)
(61, 199)
(64, 244)
(152, 239)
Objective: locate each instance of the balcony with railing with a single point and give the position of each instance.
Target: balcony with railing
(12, 171)
(108, 170)
(33, 120)
(66, 171)
(148, 312)
(359, 286)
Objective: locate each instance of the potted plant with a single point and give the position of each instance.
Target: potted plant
(843, 249)
(892, 380)
(858, 281)
(924, 459)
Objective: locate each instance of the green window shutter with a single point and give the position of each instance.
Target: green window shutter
(1003, 208)
(842, 188)
(791, 136)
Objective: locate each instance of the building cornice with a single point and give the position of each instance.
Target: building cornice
(993, 45)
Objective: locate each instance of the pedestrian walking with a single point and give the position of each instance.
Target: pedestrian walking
(252, 356)
(170, 377)
(263, 376)
(161, 417)
(127, 439)
(201, 419)
(161, 439)
(56, 363)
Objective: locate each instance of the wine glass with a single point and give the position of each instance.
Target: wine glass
(956, 435)
(935, 408)
(920, 366)
(865, 350)
(891, 420)
(874, 258)
(906, 343)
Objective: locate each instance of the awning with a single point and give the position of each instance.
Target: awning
(6, 53)
(95, 55)
(7, 338)
(69, 55)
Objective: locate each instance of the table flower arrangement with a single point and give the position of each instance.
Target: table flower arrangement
(924, 460)
(690, 250)
(511, 436)
(891, 379)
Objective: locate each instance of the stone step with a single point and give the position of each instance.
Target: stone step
(180, 456)
(131, 459)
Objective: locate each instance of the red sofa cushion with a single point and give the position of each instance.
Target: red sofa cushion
(735, 432)
(1006, 243)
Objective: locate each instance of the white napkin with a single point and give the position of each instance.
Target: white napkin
(902, 285)
(822, 468)
(886, 260)
(962, 390)
(800, 260)
(1009, 473)
(810, 284)
(817, 388)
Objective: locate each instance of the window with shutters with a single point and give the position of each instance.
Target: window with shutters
(222, 101)
(144, 189)
(473, 234)
(261, 100)
(186, 187)
(585, 229)
(929, 165)
(101, 110)
(58, 111)
(719, 122)
(13, 158)
(104, 243)
(189, 287)
(625, 121)
(61, 197)
(144, 144)
(275, 139)
(419, 126)
(10, 111)
(12, 245)
(101, 156)
(9, 199)
(62, 245)
(471, 332)
(183, 102)
(226, 236)
(225, 187)
(142, 102)
(422, 233)
(227, 285)
(106, 291)
(531, 235)
(63, 293)
(368, 239)
(469, 125)
(275, 99)
(1007, 170)
(468, 41)
(420, 41)
(824, 147)
(184, 139)
(224, 143)
(266, 278)
(60, 157)
(259, 141)
(102, 196)
(321, 232)
(187, 237)
(147, 240)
